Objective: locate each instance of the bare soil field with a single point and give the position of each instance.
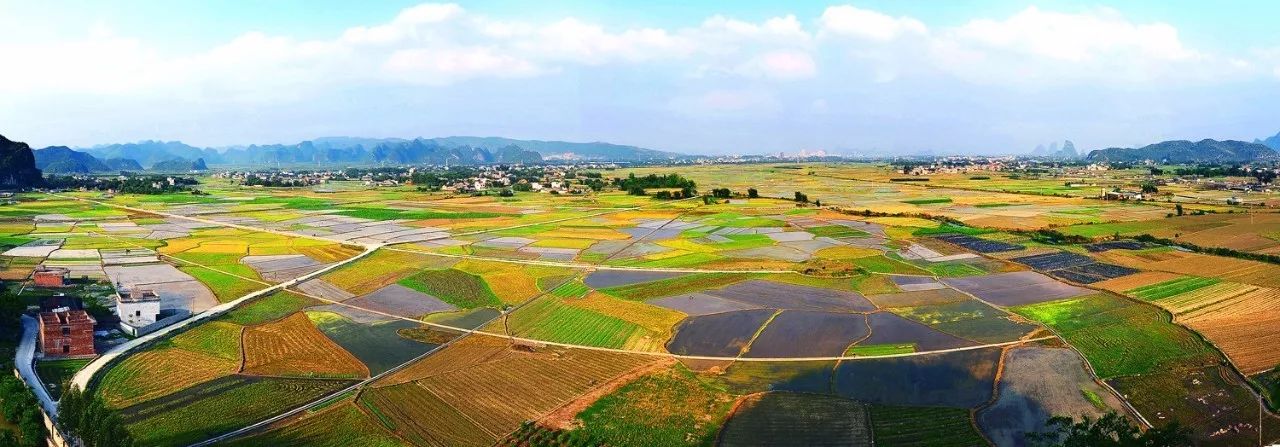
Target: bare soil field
(718, 335)
(825, 334)
(1039, 383)
(1016, 288)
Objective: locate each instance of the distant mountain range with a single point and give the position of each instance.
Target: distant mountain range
(1271, 142)
(350, 150)
(1068, 150)
(64, 160)
(18, 165)
(1182, 151)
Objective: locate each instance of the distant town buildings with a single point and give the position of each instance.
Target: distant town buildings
(66, 333)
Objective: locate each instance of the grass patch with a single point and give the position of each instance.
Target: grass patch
(56, 374)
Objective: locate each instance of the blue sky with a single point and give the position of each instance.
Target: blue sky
(706, 77)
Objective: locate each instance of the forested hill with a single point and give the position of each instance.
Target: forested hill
(17, 165)
(1182, 151)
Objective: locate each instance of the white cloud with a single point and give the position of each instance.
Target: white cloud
(1075, 37)
(446, 65)
(440, 44)
(847, 20)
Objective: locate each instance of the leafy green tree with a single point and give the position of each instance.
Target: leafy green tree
(1178, 209)
(1111, 430)
(87, 417)
(752, 193)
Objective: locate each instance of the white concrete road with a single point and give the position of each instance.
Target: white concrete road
(25, 361)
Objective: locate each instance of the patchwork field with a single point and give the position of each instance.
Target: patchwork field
(909, 313)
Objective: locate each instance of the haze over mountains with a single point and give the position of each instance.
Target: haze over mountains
(1271, 142)
(175, 156)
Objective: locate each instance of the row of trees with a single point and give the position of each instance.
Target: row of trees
(1263, 176)
(148, 184)
(87, 417)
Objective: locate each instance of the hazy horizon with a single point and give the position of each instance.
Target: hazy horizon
(746, 78)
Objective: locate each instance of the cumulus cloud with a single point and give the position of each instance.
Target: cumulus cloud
(719, 65)
(846, 20)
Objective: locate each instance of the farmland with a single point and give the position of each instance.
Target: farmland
(604, 318)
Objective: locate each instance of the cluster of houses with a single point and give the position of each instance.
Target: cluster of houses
(67, 330)
(269, 178)
(962, 165)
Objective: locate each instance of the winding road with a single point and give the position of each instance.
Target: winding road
(25, 362)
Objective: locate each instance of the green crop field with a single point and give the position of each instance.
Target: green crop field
(454, 287)
(335, 425)
(668, 408)
(268, 308)
(928, 201)
(881, 349)
(676, 286)
(1120, 337)
(882, 264)
(923, 427)
(1171, 288)
(225, 286)
(571, 289)
(549, 318)
(220, 406)
(836, 231)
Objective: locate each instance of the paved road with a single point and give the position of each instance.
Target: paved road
(25, 361)
(83, 377)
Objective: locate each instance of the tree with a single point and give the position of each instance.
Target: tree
(1178, 209)
(817, 203)
(801, 197)
(1111, 430)
(87, 417)
(11, 308)
(1149, 188)
(752, 193)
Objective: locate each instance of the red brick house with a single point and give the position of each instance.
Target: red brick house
(50, 276)
(66, 333)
